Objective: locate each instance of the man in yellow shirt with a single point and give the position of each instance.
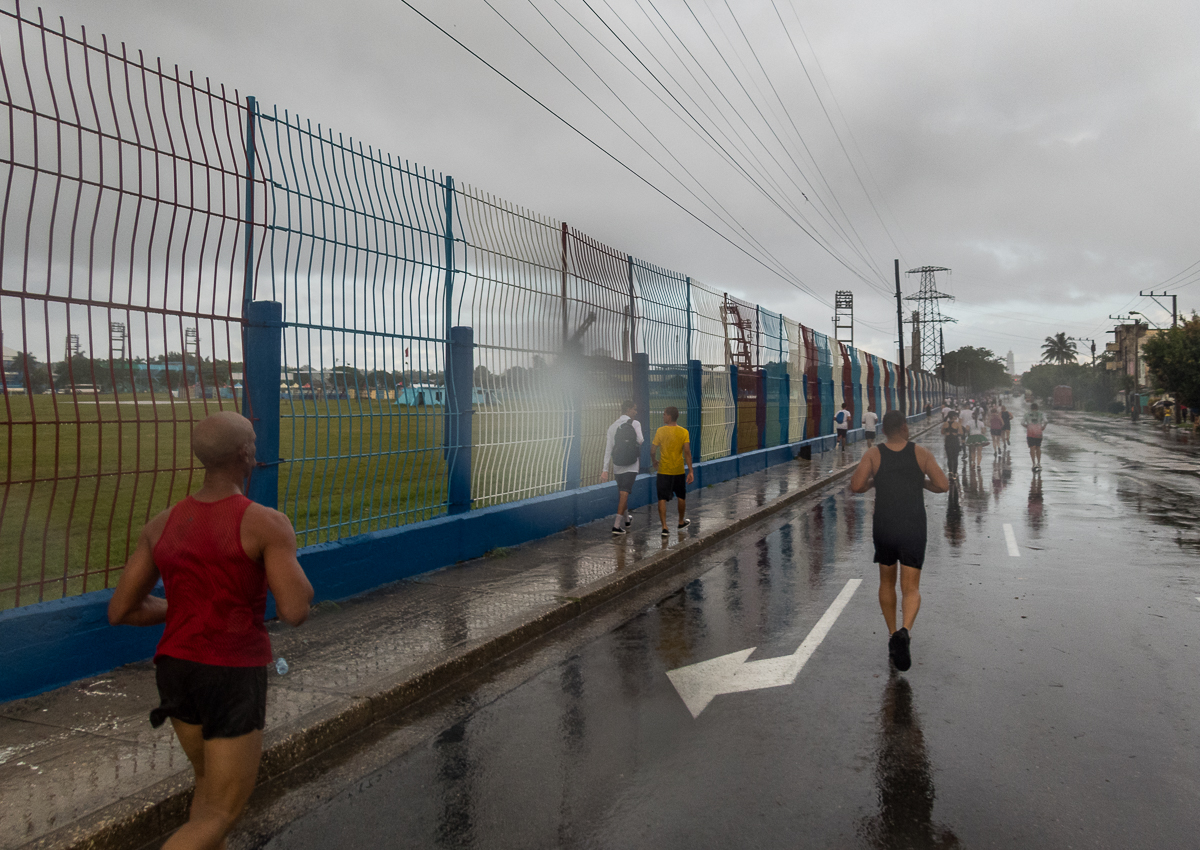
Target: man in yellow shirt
(672, 456)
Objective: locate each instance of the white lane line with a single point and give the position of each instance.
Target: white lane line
(1011, 540)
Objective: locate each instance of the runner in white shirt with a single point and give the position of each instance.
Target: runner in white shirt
(869, 420)
(976, 427)
(624, 473)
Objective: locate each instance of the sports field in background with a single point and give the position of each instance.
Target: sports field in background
(107, 463)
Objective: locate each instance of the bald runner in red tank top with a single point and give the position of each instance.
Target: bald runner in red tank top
(218, 594)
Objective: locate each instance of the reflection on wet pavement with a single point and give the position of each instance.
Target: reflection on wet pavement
(904, 779)
(954, 516)
(1037, 507)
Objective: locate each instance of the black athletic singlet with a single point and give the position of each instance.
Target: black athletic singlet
(899, 524)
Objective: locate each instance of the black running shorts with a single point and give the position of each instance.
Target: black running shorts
(225, 702)
(671, 485)
(908, 550)
(1034, 442)
(870, 435)
(997, 432)
(625, 481)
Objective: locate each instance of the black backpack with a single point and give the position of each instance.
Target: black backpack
(625, 445)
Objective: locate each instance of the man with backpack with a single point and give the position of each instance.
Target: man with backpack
(622, 453)
(841, 424)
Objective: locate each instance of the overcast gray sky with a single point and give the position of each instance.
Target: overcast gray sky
(1045, 151)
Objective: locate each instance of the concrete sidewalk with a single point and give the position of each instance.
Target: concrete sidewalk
(80, 766)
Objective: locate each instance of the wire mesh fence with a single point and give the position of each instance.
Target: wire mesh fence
(145, 210)
(355, 249)
(120, 295)
(510, 292)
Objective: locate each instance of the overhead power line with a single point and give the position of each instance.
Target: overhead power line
(608, 154)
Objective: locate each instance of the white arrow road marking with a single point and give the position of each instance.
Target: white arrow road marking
(1011, 540)
(699, 683)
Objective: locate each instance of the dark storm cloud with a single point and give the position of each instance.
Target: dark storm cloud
(1044, 151)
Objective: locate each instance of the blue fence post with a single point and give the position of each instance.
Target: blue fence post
(460, 383)
(733, 383)
(641, 398)
(695, 405)
(785, 408)
(264, 361)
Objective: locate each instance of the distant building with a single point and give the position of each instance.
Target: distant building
(1123, 347)
(1012, 363)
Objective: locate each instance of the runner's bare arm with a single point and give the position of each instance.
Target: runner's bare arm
(863, 478)
(687, 458)
(131, 603)
(293, 593)
(935, 480)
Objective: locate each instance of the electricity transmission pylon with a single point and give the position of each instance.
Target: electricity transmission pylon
(931, 318)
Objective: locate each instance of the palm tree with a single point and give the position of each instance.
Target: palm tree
(1059, 348)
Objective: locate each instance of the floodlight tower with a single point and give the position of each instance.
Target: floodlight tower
(117, 341)
(843, 316)
(931, 317)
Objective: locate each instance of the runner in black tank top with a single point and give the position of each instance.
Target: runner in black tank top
(900, 472)
(899, 526)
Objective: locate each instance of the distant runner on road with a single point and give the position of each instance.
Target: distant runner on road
(955, 436)
(622, 451)
(900, 471)
(217, 553)
(1035, 423)
(869, 420)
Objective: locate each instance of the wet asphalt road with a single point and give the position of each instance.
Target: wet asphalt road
(1052, 701)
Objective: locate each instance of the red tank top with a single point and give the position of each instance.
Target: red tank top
(216, 595)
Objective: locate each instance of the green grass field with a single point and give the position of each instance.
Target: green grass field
(83, 479)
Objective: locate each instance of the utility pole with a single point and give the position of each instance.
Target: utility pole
(1086, 339)
(1174, 303)
(900, 339)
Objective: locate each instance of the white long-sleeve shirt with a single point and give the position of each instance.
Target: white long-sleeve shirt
(610, 440)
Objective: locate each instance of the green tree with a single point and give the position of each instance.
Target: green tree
(1174, 358)
(27, 372)
(977, 369)
(1059, 349)
(1092, 389)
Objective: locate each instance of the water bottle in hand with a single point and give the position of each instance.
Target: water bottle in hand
(281, 665)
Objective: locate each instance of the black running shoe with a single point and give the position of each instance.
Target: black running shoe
(898, 649)
(628, 520)
(685, 523)
(618, 532)
(666, 532)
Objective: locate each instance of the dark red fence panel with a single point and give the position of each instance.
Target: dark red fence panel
(122, 262)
